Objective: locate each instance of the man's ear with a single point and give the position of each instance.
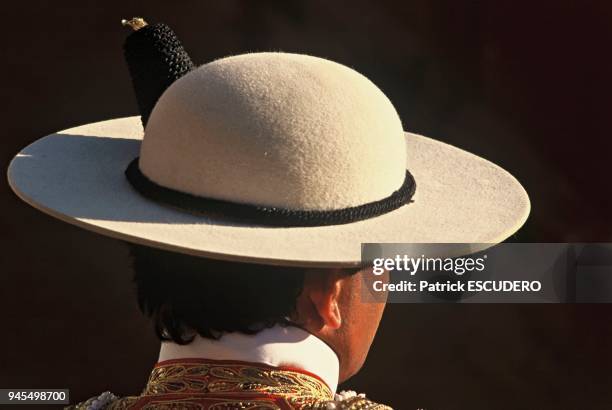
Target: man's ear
(319, 299)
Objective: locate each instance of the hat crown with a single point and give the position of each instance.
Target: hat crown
(276, 129)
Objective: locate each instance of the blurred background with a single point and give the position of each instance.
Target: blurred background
(526, 84)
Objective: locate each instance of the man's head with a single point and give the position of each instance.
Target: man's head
(330, 307)
(186, 295)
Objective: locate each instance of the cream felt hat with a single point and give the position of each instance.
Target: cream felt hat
(269, 158)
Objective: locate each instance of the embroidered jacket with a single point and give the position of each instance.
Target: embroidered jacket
(202, 384)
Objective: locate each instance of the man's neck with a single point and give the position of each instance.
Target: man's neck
(286, 346)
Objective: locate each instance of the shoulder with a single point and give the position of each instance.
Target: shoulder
(108, 401)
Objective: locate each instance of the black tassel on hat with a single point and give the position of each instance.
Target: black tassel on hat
(156, 58)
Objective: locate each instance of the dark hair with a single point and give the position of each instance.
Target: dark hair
(184, 294)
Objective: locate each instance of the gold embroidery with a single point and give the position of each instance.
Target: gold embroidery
(176, 379)
(234, 386)
(124, 403)
(175, 405)
(236, 378)
(246, 405)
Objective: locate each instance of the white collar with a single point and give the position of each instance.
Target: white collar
(287, 346)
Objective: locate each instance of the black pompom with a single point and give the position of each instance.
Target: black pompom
(156, 58)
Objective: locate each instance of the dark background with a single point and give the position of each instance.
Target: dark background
(525, 84)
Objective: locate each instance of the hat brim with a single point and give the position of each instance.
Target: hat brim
(77, 175)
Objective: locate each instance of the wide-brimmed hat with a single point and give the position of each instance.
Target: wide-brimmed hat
(271, 158)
